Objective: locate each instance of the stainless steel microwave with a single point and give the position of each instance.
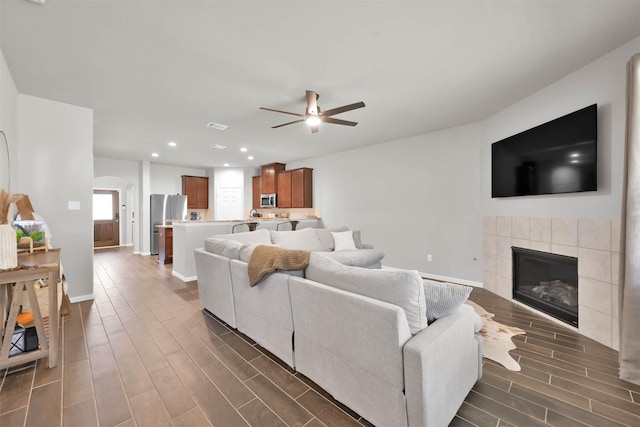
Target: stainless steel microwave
(268, 200)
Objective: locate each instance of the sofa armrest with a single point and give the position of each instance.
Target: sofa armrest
(441, 365)
(367, 246)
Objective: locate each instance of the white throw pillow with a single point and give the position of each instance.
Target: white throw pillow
(305, 239)
(443, 298)
(344, 241)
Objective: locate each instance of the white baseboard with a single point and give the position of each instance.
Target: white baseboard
(82, 298)
(184, 278)
(141, 253)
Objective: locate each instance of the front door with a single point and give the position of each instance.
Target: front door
(106, 218)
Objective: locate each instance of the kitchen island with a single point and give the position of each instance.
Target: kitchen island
(190, 235)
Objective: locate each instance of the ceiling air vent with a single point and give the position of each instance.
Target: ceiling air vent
(218, 146)
(214, 125)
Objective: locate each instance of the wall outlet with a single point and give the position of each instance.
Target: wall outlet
(429, 258)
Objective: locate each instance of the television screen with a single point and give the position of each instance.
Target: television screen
(559, 156)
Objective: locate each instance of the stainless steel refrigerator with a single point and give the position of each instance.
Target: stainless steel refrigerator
(164, 208)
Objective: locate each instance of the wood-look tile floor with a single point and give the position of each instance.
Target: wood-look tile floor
(144, 353)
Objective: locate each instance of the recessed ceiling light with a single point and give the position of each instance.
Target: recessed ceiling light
(226, 164)
(155, 155)
(218, 146)
(575, 154)
(243, 149)
(172, 144)
(218, 126)
(250, 157)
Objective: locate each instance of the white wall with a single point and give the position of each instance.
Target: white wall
(168, 179)
(8, 118)
(601, 82)
(55, 167)
(411, 197)
(427, 194)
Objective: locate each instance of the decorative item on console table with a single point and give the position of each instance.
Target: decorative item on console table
(31, 235)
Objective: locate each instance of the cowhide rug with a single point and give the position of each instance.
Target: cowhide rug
(497, 339)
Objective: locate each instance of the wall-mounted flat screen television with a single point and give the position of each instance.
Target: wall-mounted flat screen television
(559, 156)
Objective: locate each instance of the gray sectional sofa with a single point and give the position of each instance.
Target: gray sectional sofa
(358, 331)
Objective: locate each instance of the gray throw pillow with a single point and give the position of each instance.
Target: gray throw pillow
(443, 298)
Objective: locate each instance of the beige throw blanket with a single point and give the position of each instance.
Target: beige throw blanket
(269, 259)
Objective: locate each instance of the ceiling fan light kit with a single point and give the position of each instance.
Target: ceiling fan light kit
(313, 116)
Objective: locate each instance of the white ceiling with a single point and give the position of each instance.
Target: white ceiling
(155, 71)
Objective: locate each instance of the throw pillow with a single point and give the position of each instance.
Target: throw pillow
(305, 239)
(443, 298)
(357, 238)
(325, 238)
(344, 241)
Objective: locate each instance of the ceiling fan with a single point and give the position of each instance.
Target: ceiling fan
(313, 116)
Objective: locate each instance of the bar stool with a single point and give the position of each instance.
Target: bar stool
(252, 226)
(293, 223)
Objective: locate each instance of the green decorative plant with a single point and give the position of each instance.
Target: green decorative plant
(36, 235)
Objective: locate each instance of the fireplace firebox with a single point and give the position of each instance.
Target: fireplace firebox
(547, 282)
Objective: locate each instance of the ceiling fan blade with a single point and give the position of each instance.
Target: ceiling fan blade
(280, 111)
(337, 121)
(312, 102)
(285, 124)
(342, 109)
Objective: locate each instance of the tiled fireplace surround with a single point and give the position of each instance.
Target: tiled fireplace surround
(596, 244)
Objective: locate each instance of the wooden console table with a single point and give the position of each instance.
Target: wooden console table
(13, 285)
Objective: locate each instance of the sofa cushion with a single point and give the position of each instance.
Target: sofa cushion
(357, 239)
(247, 250)
(325, 237)
(304, 239)
(443, 298)
(356, 257)
(343, 240)
(403, 288)
(229, 248)
(261, 236)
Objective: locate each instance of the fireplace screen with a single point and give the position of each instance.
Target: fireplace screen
(546, 282)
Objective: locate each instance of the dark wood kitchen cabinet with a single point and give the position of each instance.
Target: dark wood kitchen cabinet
(196, 188)
(256, 190)
(165, 245)
(302, 188)
(269, 177)
(295, 188)
(284, 189)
